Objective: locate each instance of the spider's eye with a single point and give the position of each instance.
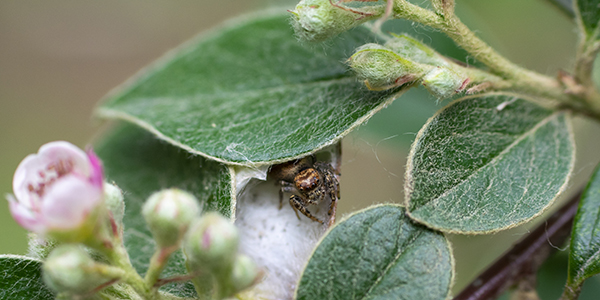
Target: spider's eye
(307, 180)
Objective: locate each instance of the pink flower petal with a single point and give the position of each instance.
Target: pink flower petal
(69, 202)
(97, 174)
(61, 150)
(24, 216)
(27, 169)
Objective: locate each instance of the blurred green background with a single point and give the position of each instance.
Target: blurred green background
(58, 58)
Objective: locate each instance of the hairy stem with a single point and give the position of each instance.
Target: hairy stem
(120, 258)
(525, 258)
(571, 293)
(157, 264)
(521, 79)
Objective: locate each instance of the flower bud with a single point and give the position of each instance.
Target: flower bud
(443, 82)
(69, 269)
(212, 243)
(168, 214)
(39, 247)
(58, 192)
(245, 273)
(113, 198)
(416, 51)
(318, 20)
(382, 68)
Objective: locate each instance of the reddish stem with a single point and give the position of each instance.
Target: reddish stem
(525, 258)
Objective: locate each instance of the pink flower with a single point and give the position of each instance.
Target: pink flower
(56, 189)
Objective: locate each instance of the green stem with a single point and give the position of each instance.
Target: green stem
(584, 61)
(157, 264)
(522, 80)
(571, 292)
(120, 258)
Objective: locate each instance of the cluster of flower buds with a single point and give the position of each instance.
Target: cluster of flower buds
(404, 60)
(318, 20)
(77, 221)
(211, 249)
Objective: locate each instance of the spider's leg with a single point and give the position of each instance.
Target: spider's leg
(333, 186)
(297, 204)
(294, 208)
(286, 187)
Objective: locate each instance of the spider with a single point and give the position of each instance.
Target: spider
(309, 182)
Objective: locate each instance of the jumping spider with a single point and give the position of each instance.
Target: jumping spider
(309, 182)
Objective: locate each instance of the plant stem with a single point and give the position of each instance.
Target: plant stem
(157, 264)
(584, 61)
(571, 293)
(525, 257)
(522, 80)
(120, 258)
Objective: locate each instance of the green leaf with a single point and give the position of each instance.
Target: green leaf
(378, 253)
(589, 15)
(584, 260)
(251, 93)
(21, 279)
(140, 164)
(487, 163)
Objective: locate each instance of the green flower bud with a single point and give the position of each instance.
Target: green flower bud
(318, 20)
(113, 199)
(245, 273)
(443, 82)
(168, 214)
(69, 269)
(39, 247)
(211, 243)
(416, 51)
(382, 68)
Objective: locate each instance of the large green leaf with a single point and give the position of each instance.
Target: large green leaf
(378, 253)
(21, 279)
(589, 14)
(584, 260)
(487, 163)
(140, 164)
(251, 93)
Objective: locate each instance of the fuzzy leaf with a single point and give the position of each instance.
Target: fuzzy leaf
(589, 13)
(378, 253)
(584, 260)
(140, 164)
(251, 93)
(487, 163)
(21, 279)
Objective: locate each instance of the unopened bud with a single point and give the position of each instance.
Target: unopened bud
(39, 247)
(318, 20)
(416, 51)
(168, 214)
(443, 82)
(244, 274)
(69, 269)
(212, 242)
(382, 68)
(113, 199)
